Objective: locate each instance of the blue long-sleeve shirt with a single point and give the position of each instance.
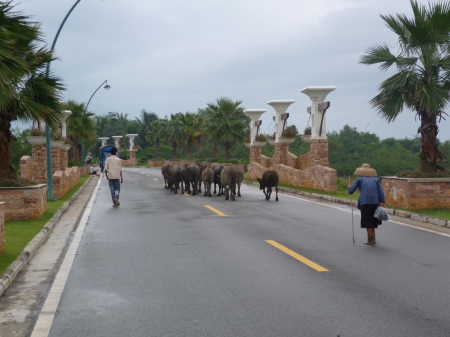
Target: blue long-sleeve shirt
(370, 190)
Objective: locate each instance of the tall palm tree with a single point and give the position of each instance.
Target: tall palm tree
(144, 120)
(172, 132)
(80, 124)
(198, 133)
(422, 82)
(119, 124)
(154, 135)
(26, 93)
(187, 125)
(226, 121)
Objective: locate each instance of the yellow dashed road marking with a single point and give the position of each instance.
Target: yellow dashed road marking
(215, 210)
(297, 256)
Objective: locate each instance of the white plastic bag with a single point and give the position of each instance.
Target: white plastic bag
(382, 214)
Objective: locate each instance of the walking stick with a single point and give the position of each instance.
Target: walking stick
(353, 224)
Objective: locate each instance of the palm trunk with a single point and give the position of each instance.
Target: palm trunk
(6, 170)
(215, 150)
(174, 150)
(200, 148)
(158, 153)
(189, 146)
(227, 145)
(429, 153)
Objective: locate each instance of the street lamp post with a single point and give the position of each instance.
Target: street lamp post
(47, 127)
(83, 149)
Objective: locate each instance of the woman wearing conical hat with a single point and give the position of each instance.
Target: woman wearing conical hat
(371, 196)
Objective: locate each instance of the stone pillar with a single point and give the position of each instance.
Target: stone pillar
(133, 160)
(56, 163)
(63, 159)
(255, 154)
(39, 164)
(319, 152)
(281, 154)
(2, 226)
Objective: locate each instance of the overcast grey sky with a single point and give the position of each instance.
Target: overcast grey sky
(176, 56)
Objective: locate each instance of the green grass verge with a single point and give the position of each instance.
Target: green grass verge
(440, 213)
(19, 233)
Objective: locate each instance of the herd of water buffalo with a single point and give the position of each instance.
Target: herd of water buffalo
(189, 177)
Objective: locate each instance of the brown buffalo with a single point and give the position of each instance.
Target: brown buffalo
(177, 176)
(208, 179)
(165, 170)
(229, 178)
(239, 182)
(269, 179)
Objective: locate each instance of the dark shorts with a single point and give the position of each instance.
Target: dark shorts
(367, 218)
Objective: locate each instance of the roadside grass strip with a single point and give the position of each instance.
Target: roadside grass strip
(215, 210)
(296, 256)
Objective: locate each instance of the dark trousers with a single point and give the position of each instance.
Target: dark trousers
(114, 186)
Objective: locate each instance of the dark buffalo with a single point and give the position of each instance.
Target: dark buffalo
(165, 169)
(229, 178)
(208, 179)
(269, 179)
(193, 176)
(217, 178)
(202, 167)
(177, 176)
(187, 187)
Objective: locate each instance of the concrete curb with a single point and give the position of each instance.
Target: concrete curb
(16, 267)
(392, 211)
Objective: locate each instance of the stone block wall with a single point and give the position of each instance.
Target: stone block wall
(26, 168)
(319, 152)
(156, 163)
(24, 203)
(132, 161)
(317, 177)
(63, 159)
(65, 180)
(417, 193)
(2, 226)
(84, 170)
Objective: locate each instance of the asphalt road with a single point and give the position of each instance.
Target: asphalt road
(166, 265)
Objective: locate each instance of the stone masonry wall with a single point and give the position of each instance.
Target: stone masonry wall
(156, 163)
(417, 193)
(132, 161)
(65, 180)
(317, 177)
(2, 226)
(26, 169)
(24, 203)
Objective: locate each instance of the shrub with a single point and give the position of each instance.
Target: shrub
(35, 132)
(307, 131)
(56, 136)
(75, 163)
(289, 133)
(17, 182)
(260, 138)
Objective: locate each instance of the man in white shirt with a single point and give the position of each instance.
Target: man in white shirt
(113, 171)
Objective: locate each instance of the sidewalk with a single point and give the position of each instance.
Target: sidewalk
(34, 270)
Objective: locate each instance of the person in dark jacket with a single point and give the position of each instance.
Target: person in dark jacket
(371, 197)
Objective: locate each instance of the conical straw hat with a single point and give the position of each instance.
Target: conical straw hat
(365, 171)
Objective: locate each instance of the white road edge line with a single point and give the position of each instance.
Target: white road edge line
(346, 210)
(45, 319)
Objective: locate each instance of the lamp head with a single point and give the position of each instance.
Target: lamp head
(107, 87)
